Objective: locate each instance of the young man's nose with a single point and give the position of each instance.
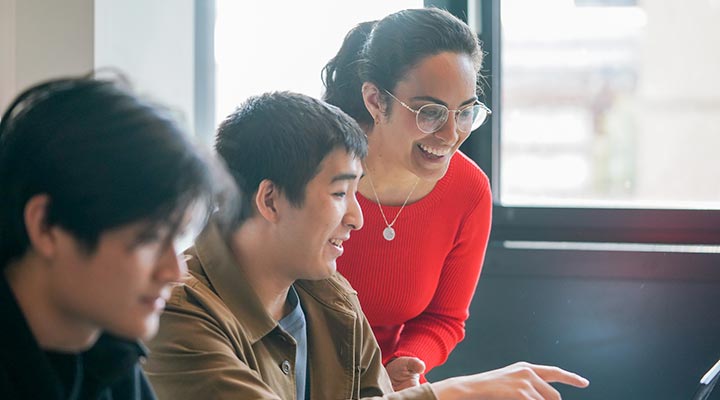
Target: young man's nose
(171, 266)
(354, 216)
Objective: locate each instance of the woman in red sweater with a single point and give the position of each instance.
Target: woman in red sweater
(410, 80)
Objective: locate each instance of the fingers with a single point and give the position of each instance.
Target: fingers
(405, 372)
(519, 381)
(404, 385)
(414, 365)
(554, 374)
(406, 365)
(529, 383)
(546, 392)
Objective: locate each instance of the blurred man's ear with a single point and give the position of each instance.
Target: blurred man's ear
(42, 237)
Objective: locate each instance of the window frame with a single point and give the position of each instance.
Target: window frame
(204, 91)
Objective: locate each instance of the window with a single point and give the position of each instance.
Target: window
(600, 107)
(603, 132)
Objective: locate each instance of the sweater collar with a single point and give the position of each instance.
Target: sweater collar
(217, 265)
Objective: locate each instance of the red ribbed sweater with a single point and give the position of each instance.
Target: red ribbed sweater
(416, 289)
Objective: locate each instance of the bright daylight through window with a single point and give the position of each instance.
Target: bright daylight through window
(283, 45)
(610, 103)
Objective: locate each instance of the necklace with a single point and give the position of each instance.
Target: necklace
(389, 231)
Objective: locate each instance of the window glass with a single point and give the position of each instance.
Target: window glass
(612, 103)
(282, 45)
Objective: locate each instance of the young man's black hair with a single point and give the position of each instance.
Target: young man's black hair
(297, 132)
(103, 156)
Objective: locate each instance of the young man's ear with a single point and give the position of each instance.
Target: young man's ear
(41, 235)
(373, 101)
(266, 200)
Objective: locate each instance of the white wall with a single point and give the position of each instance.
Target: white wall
(7, 51)
(40, 39)
(152, 42)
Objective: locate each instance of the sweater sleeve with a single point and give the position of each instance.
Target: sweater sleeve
(433, 334)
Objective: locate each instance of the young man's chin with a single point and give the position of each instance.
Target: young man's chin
(323, 272)
(331, 268)
(143, 329)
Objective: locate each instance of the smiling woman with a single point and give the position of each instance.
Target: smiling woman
(410, 80)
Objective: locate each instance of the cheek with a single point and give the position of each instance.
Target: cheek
(146, 255)
(463, 138)
(131, 273)
(402, 127)
(328, 219)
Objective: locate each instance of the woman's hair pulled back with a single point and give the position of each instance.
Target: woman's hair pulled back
(383, 52)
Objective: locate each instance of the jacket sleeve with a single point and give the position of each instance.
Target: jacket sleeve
(192, 359)
(433, 334)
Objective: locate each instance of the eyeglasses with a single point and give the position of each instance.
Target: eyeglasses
(431, 117)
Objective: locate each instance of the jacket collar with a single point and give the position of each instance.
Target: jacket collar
(217, 262)
(228, 279)
(330, 293)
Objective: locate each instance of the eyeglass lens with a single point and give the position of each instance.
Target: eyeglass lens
(432, 117)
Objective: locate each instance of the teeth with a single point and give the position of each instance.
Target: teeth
(434, 151)
(336, 242)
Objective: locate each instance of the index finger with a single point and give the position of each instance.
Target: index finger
(555, 374)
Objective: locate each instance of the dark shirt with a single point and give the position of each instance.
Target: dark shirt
(107, 371)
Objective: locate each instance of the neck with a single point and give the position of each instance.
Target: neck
(387, 170)
(389, 189)
(53, 326)
(253, 253)
(392, 180)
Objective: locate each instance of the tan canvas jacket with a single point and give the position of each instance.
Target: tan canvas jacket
(217, 342)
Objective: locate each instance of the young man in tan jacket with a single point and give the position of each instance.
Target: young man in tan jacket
(263, 313)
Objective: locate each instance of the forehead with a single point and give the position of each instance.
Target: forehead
(337, 165)
(447, 76)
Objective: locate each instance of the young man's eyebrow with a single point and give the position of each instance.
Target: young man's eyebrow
(344, 177)
(438, 101)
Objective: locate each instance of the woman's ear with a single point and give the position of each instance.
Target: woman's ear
(42, 237)
(373, 101)
(266, 200)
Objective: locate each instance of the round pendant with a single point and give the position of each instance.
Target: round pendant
(389, 233)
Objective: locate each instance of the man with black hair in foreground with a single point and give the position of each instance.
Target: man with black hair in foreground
(93, 215)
